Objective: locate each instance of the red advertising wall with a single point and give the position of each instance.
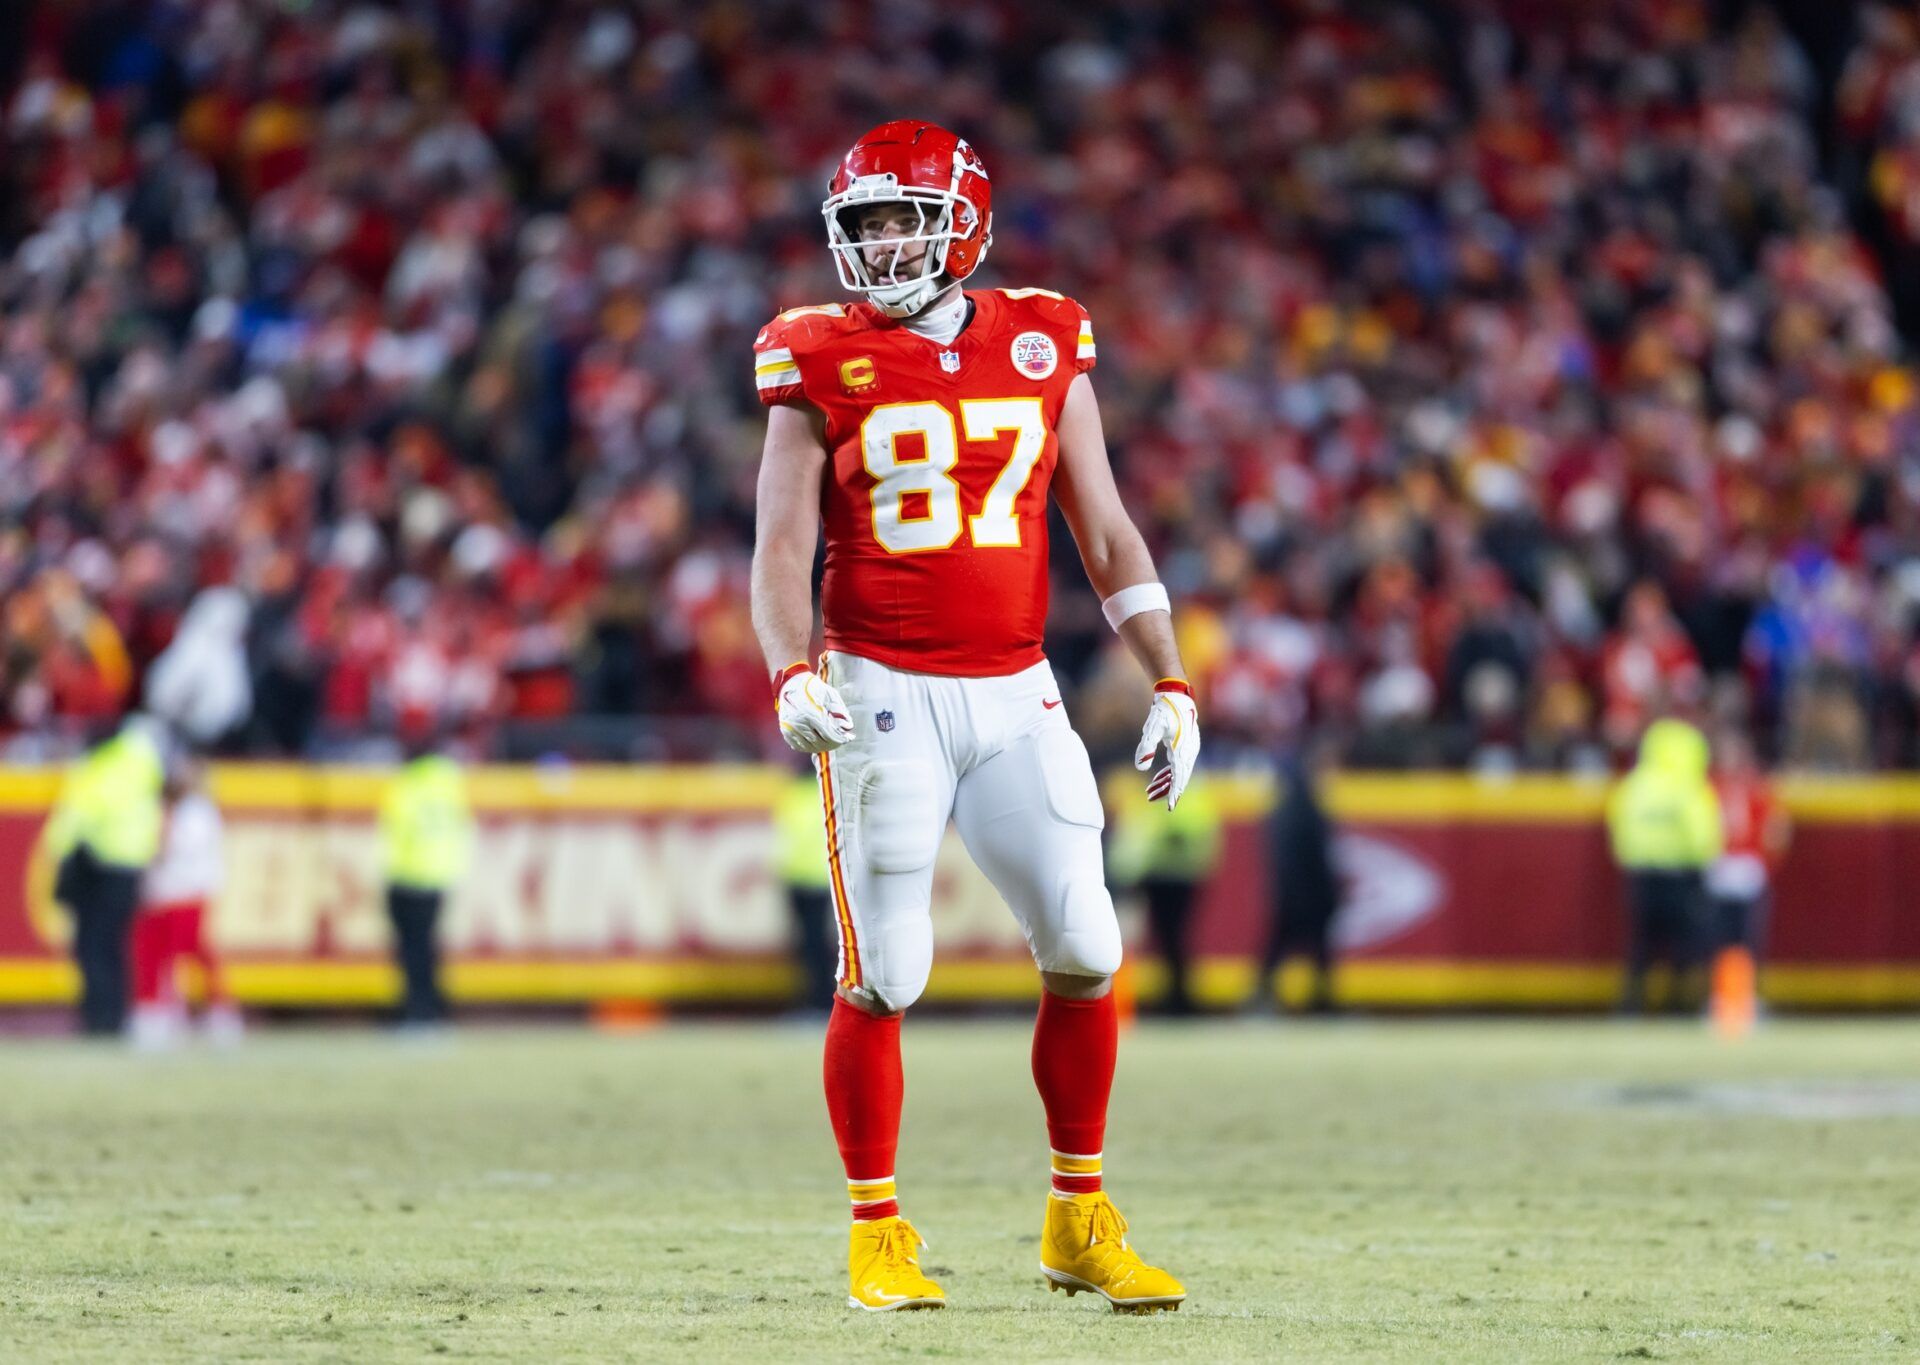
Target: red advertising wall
(657, 883)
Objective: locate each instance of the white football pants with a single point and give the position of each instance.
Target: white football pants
(997, 756)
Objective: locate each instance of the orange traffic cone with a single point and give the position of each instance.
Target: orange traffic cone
(1733, 1002)
(626, 1016)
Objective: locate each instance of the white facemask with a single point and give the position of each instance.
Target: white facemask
(895, 296)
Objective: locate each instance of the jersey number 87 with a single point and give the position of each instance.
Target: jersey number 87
(932, 519)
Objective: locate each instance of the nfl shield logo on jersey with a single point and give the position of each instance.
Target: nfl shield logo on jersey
(950, 361)
(883, 720)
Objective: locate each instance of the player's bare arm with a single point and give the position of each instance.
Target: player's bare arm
(786, 526)
(1121, 571)
(1110, 544)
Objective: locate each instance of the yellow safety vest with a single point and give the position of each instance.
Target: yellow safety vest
(426, 827)
(1181, 844)
(800, 835)
(111, 803)
(1664, 815)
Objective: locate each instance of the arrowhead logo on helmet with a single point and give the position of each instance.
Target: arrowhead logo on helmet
(972, 158)
(943, 180)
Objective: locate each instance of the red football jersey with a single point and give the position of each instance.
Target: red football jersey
(1747, 813)
(935, 500)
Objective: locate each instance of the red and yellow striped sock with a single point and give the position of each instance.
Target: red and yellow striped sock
(1075, 1174)
(1074, 1042)
(873, 1199)
(861, 1067)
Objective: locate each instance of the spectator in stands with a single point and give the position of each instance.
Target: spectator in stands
(1649, 667)
(200, 682)
(423, 328)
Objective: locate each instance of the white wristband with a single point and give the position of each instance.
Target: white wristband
(1132, 601)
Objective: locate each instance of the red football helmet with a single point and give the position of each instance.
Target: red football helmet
(942, 179)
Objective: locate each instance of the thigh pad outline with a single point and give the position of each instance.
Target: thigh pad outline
(1066, 777)
(900, 822)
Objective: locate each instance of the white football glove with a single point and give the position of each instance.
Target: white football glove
(1175, 722)
(813, 718)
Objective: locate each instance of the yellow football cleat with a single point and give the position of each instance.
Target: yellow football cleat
(1084, 1246)
(883, 1269)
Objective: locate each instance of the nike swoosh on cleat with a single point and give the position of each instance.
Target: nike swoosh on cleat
(1051, 704)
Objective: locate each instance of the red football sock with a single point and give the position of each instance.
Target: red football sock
(1074, 1044)
(152, 960)
(864, 1090)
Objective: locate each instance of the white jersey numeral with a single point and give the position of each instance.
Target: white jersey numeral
(903, 528)
(996, 526)
(937, 525)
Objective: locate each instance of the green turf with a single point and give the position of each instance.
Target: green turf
(1419, 1191)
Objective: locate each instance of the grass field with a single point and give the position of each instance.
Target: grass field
(1380, 1191)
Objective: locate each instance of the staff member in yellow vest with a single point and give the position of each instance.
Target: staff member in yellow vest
(800, 835)
(103, 831)
(426, 843)
(1663, 820)
(1168, 855)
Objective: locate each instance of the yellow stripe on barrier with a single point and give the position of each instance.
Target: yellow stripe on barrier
(691, 789)
(37, 981)
(31, 790)
(699, 789)
(1462, 798)
(1817, 800)
(1220, 982)
(1849, 987)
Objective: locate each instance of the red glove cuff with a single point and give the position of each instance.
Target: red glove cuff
(1180, 685)
(780, 678)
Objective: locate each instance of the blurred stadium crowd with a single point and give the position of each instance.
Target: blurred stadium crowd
(1487, 380)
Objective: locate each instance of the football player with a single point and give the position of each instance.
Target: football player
(926, 425)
